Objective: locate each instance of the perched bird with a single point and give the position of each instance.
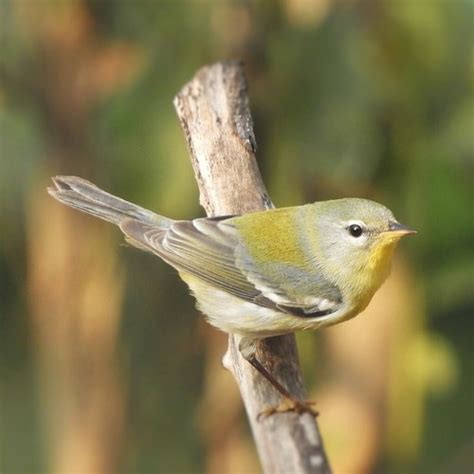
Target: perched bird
(266, 273)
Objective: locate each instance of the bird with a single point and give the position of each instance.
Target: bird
(265, 273)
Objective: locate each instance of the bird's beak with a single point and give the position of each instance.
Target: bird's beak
(395, 229)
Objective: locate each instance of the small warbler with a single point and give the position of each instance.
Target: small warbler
(266, 273)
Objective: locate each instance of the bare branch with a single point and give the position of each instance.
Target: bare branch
(213, 109)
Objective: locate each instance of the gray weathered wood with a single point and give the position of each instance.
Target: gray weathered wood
(213, 109)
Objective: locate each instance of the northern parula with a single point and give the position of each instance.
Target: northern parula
(266, 273)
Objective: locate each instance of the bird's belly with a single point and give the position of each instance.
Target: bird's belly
(235, 315)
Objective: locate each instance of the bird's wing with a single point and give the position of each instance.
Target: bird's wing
(201, 247)
(209, 249)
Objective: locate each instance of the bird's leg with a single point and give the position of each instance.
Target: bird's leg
(247, 349)
(290, 403)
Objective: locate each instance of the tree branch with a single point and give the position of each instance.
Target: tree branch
(213, 109)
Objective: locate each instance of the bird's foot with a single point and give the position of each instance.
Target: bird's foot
(290, 405)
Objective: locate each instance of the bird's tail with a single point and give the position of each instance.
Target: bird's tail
(87, 197)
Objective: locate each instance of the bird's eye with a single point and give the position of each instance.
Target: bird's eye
(355, 230)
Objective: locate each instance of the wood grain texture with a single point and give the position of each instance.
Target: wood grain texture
(213, 109)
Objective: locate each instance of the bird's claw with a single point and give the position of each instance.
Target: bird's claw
(289, 405)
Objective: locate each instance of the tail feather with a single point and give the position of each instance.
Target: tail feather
(85, 196)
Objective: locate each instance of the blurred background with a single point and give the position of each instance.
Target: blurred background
(105, 364)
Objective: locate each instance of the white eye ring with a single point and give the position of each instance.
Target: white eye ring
(356, 229)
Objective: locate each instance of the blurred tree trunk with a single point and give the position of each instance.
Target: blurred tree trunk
(75, 284)
(75, 296)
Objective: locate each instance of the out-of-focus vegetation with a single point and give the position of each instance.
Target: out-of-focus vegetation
(105, 365)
